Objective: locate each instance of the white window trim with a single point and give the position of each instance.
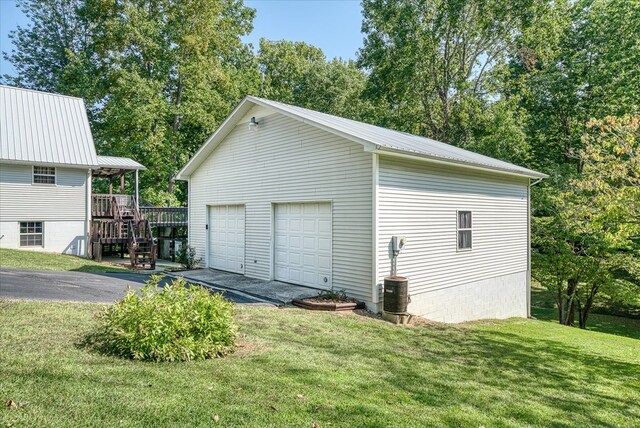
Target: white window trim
(459, 229)
(33, 176)
(20, 234)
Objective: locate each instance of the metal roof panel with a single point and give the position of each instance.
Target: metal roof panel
(43, 128)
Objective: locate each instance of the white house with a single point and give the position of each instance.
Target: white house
(47, 158)
(285, 193)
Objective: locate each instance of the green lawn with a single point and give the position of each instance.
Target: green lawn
(543, 308)
(34, 260)
(297, 367)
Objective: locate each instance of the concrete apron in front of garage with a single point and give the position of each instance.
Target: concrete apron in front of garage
(275, 292)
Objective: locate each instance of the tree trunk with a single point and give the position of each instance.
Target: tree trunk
(560, 305)
(586, 310)
(572, 286)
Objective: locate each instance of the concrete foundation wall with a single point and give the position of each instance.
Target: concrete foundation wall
(67, 237)
(501, 297)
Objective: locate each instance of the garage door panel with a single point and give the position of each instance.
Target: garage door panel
(309, 225)
(324, 227)
(324, 244)
(309, 243)
(226, 238)
(306, 228)
(294, 259)
(324, 262)
(295, 242)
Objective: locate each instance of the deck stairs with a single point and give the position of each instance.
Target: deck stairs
(117, 227)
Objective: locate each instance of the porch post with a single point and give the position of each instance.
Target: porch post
(110, 185)
(136, 189)
(122, 184)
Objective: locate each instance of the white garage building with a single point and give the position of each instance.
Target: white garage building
(285, 193)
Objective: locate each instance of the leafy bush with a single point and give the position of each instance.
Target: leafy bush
(186, 256)
(179, 322)
(332, 295)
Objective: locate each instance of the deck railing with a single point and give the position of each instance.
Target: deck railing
(162, 216)
(106, 205)
(109, 230)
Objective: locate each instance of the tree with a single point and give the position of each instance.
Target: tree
(298, 73)
(55, 52)
(590, 70)
(436, 63)
(283, 65)
(587, 233)
(171, 68)
(159, 75)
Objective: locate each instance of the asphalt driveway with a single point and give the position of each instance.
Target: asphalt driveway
(78, 286)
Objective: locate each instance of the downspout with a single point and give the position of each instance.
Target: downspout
(529, 245)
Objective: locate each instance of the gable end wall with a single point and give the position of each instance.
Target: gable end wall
(285, 160)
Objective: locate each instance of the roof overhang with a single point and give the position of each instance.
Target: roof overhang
(52, 164)
(112, 166)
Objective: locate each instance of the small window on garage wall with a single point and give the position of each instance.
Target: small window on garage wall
(464, 230)
(44, 175)
(31, 234)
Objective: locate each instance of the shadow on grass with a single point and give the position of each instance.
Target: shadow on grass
(496, 375)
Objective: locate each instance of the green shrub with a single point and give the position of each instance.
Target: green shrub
(187, 257)
(179, 322)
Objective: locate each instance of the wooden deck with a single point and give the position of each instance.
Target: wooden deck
(118, 226)
(169, 217)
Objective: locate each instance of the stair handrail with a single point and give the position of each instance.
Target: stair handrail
(137, 215)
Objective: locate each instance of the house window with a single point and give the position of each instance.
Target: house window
(31, 234)
(44, 175)
(464, 230)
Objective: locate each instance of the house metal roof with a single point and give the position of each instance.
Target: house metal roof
(44, 128)
(118, 162)
(374, 138)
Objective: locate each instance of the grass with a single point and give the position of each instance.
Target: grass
(543, 308)
(34, 260)
(296, 368)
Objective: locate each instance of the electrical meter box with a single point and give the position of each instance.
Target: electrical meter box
(398, 243)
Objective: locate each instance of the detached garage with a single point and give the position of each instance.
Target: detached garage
(284, 193)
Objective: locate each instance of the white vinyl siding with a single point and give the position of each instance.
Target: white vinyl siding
(285, 160)
(421, 201)
(22, 200)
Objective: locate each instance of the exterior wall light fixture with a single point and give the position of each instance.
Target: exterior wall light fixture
(253, 125)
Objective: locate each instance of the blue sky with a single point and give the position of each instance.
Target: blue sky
(332, 25)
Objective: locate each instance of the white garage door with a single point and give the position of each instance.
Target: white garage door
(226, 238)
(303, 244)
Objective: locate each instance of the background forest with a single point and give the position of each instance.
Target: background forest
(553, 85)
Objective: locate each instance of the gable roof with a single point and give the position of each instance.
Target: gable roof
(373, 138)
(42, 128)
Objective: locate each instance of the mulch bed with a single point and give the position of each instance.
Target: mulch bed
(317, 304)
